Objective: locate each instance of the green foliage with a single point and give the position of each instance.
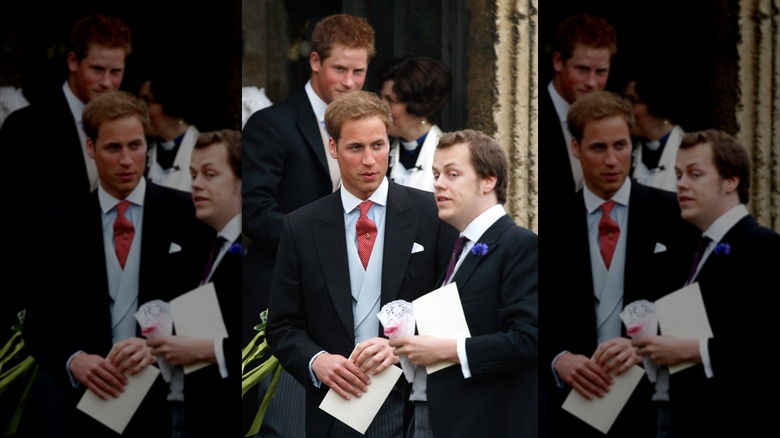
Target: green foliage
(255, 366)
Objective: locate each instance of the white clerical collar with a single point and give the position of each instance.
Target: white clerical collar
(76, 106)
(317, 104)
(481, 223)
(593, 201)
(107, 202)
(725, 222)
(561, 106)
(350, 201)
(232, 229)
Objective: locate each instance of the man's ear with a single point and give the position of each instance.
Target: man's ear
(489, 184)
(73, 62)
(332, 147)
(90, 147)
(730, 184)
(315, 62)
(558, 62)
(575, 148)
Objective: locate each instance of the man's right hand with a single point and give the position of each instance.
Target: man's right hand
(340, 374)
(583, 374)
(98, 375)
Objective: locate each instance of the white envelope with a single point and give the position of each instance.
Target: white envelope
(197, 314)
(682, 314)
(439, 313)
(117, 412)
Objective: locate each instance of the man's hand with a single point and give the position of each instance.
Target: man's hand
(340, 374)
(373, 355)
(583, 374)
(616, 354)
(183, 350)
(668, 350)
(426, 350)
(131, 356)
(98, 375)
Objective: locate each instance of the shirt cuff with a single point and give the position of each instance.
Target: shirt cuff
(460, 345)
(73, 382)
(314, 380)
(219, 352)
(704, 352)
(558, 382)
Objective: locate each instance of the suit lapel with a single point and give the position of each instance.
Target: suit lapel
(309, 127)
(330, 243)
(154, 242)
(716, 264)
(639, 244)
(491, 238)
(402, 220)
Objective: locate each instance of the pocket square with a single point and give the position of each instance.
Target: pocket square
(659, 247)
(174, 248)
(417, 248)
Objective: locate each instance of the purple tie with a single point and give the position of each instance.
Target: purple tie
(703, 243)
(456, 250)
(218, 242)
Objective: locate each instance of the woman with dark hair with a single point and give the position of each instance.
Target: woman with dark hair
(172, 137)
(657, 137)
(417, 90)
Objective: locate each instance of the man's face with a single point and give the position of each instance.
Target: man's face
(99, 72)
(460, 192)
(159, 121)
(216, 191)
(343, 71)
(362, 155)
(584, 72)
(702, 193)
(120, 155)
(605, 155)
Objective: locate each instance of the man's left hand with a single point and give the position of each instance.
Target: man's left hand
(131, 355)
(426, 350)
(373, 355)
(183, 350)
(668, 350)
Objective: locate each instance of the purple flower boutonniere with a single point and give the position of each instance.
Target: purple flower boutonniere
(479, 249)
(722, 249)
(236, 249)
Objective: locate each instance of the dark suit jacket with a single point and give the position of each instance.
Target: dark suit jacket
(311, 304)
(82, 314)
(284, 168)
(499, 293)
(556, 182)
(44, 130)
(737, 289)
(206, 394)
(568, 303)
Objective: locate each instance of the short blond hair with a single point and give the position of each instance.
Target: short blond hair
(357, 105)
(113, 105)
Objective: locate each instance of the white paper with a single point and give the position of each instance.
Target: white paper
(682, 314)
(197, 314)
(359, 412)
(440, 314)
(116, 412)
(602, 412)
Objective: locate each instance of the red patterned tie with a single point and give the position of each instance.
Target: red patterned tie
(609, 231)
(123, 233)
(366, 233)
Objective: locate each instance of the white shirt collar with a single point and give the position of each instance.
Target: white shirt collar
(723, 224)
(350, 201)
(317, 104)
(107, 202)
(593, 202)
(561, 106)
(481, 223)
(232, 230)
(76, 106)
